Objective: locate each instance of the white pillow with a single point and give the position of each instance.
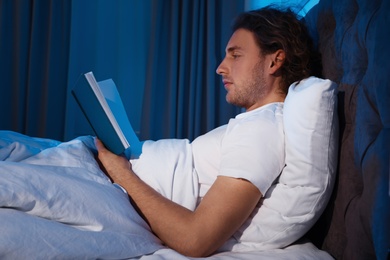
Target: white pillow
(294, 203)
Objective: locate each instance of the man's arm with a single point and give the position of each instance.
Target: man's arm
(225, 207)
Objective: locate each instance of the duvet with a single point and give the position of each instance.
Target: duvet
(56, 203)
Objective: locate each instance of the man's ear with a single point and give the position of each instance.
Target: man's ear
(277, 60)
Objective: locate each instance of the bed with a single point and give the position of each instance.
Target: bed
(56, 203)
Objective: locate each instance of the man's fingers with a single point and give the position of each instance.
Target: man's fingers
(99, 144)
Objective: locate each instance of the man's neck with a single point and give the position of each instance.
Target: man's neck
(274, 95)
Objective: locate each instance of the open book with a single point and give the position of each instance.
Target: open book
(104, 110)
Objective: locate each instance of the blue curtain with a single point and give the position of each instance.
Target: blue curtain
(110, 38)
(34, 47)
(161, 54)
(183, 96)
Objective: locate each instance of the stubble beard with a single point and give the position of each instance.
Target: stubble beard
(250, 91)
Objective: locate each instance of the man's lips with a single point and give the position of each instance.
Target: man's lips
(226, 82)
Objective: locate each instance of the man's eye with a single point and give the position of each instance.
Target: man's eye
(235, 56)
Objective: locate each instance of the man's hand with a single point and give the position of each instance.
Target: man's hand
(116, 167)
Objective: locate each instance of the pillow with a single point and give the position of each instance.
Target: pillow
(294, 203)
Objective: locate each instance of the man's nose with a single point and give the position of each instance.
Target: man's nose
(221, 68)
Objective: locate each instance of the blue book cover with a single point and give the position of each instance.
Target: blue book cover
(104, 110)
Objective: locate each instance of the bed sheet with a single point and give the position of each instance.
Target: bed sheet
(302, 250)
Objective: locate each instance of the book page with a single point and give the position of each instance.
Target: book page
(114, 101)
(102, 100)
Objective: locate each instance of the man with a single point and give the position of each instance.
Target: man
(236, 163)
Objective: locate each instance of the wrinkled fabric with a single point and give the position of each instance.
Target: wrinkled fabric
(56, 203)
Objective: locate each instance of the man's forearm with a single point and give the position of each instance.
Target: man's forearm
(172, 223)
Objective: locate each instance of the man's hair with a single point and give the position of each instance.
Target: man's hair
(276, 29)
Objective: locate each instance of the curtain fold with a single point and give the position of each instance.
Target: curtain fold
(110, 38)
(184, 97)
(34, 60)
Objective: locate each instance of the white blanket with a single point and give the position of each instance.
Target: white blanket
(166, 165)
(56, 203)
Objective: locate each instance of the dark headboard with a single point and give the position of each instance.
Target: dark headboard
(353, 37)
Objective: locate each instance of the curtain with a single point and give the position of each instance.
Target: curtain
(184, 97)
(162, 55)
(34, 46)
(110, 38)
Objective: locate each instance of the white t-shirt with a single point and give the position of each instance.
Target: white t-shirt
(250, 146)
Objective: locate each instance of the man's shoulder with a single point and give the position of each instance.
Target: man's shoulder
(272, 112)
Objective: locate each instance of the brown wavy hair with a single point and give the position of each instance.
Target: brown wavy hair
(276, 29)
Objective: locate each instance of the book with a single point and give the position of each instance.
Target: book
(104, 110)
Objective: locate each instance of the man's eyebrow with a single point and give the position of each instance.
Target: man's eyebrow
(233, 48)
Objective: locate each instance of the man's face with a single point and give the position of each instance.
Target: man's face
(243, 71)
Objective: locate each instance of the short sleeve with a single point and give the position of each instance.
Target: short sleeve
(253, 147)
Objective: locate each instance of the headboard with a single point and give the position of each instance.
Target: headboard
(353, 37)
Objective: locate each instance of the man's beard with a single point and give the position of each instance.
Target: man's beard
(250, 91)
